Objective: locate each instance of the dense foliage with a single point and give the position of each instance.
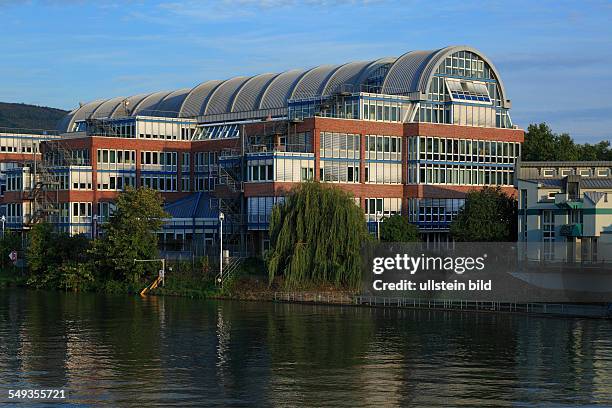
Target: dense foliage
(130, 234)
(9, 242)
(60, 261)
(316, 236)
(397, 229)
(541, 144)
(19, 115)
(53, 258)
(488, 215)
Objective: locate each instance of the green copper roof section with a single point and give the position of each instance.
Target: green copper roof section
(572, 205)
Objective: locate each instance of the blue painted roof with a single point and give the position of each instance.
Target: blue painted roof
(196, 205)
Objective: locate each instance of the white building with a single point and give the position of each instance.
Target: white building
(565, 210)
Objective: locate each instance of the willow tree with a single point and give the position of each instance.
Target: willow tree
(316, 236)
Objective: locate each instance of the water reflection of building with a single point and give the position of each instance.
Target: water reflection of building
(571, 355)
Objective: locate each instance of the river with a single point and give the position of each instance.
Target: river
(156, 351)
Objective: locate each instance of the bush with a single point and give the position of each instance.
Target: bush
(74, 276)
(488, 215)
(8, 243)
(397, 229)
(52, 258)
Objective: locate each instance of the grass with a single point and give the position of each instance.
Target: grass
(250, 282)
(187, 284)
(10, 277)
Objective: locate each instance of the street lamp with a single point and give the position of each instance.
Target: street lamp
(221, 218)
(378, 217)
(94, 230)
(3, 219)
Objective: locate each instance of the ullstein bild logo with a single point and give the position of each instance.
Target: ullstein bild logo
(410, 264)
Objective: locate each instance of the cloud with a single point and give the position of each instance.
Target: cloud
(240, 9)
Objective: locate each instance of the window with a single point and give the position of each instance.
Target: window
(548, 225)
(548, 173)
(185, 183)
(339, 171)
(306, 173)
(375, 208)
(468, 91)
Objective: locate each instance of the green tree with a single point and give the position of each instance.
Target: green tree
(73, 276)
(541, 144)
(566, 149)
(397, 229)
(488, 215)
(316, 236)
(599, 151)
(131, 233)
(8, 243)
(48, 251)
(40, 253)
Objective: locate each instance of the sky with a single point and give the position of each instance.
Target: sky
(555, 57)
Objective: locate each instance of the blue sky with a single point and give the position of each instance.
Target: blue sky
(555, 57)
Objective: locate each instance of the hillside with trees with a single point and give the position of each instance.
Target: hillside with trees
(22, 116)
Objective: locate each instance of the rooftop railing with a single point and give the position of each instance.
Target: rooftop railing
(24, 131)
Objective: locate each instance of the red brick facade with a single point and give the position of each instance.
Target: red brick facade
(362, 189)
(315, 126)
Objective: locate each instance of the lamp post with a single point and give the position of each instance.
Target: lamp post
(221, 218)
(94, 230)
(378, 217)
(3, 219)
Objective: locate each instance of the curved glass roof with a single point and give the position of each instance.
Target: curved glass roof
(411, 72)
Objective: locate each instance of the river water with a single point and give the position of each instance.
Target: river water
(128, 351)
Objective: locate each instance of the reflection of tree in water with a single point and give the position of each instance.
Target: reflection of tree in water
(317, 353)
(124, 334)
(112, 348)
(40, 357)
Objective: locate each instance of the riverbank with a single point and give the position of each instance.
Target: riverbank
(10, 278)
(257, 289)
(254, 287)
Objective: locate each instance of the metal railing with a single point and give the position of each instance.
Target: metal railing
(31, 132)
(565, 309)
(243, 115)
(229, 269)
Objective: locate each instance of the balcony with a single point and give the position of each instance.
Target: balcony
(571, 230)
(568, 201)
